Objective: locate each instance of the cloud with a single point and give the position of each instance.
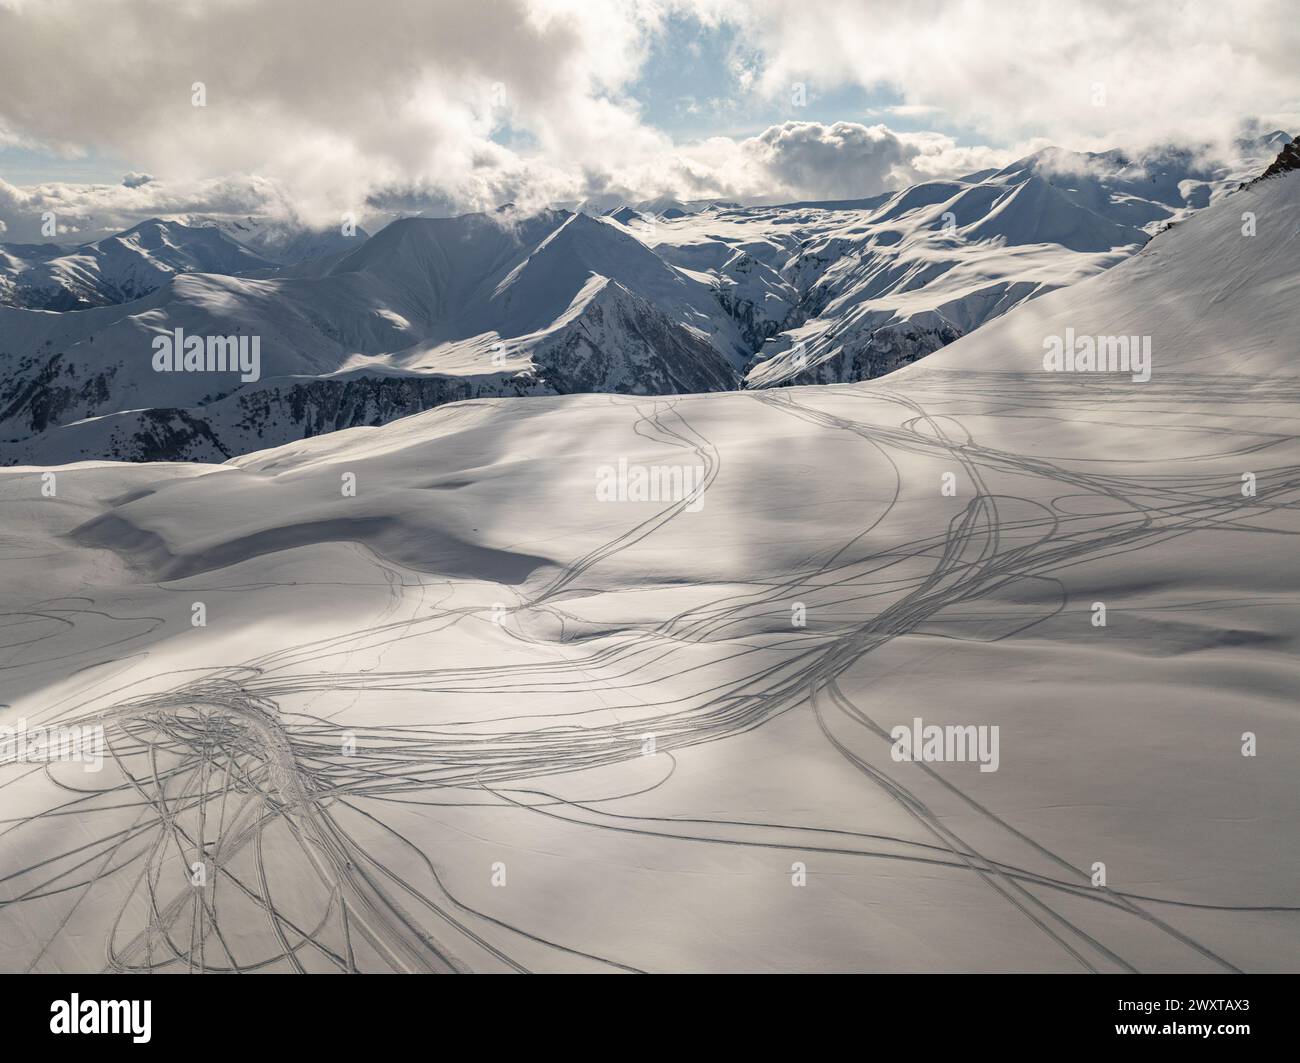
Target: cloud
(332, 101)
(848, 160)
(790, 161)
(311, 109)
(830, 162)
(815, 160)
(88, 211)
(1094, 73)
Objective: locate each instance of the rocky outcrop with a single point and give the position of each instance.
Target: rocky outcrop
(1287, 160)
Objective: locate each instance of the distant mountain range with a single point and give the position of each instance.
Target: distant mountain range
(119, 268)
(660, 297)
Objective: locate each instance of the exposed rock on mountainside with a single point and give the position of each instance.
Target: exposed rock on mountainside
(1287, 160)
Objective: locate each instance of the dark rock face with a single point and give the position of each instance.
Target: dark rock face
(620, 344)
(1287, 160)
(255, 419)
(33, 297)
(316, 407)
(755, 329)
(168, 435)
(39, 393)
(884, 350)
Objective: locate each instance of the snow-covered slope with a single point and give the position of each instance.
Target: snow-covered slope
(475, 690)
(118, 268)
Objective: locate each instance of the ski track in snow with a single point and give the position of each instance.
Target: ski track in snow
(219, 763)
